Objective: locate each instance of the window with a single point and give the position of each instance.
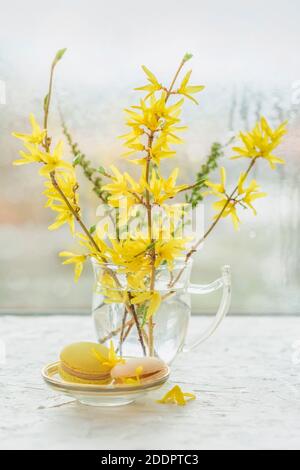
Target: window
(93, 86)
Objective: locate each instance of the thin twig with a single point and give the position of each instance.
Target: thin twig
(113, 333)
(201, 240)
(122, 330)
(229, 198)
(138, 327)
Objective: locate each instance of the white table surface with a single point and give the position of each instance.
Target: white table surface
(246, 381)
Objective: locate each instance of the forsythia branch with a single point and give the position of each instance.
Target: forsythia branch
(195, 196)
(212, 226)
(80, 159)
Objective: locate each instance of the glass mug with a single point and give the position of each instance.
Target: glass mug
(117, 319)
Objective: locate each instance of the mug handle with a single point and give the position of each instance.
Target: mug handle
(223, 282)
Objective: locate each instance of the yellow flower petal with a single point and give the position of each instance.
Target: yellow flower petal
(154, 304)
(177, 396)
(260, 142)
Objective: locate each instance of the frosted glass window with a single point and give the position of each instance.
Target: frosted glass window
(247, 56)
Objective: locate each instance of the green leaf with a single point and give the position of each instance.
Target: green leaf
(101, 170)
(187, 57)
(77, 159)
(93, 229)
(59, 56)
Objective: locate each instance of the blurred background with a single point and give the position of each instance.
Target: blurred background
(247, 55)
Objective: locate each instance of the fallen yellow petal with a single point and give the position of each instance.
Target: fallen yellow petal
(177, 397)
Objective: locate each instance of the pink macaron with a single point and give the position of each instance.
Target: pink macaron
(146, 367)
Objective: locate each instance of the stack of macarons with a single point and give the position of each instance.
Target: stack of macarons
(80, 363)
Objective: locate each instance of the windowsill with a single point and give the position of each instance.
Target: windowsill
(246, 383)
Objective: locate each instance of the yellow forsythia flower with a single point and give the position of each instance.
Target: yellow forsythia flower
(162, 189)
(32, 156)
(188, 90)
(153, 83)
(76, 259)
(36, 137)
(134, 380)
(112, 359)
(154, 299)
(243, 197)
(177, 396)
(54, 161)
(249, 194)
(261, 142)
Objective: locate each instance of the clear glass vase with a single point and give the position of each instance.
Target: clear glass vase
(128, 324)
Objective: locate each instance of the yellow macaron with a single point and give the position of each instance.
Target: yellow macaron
(79, 363)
